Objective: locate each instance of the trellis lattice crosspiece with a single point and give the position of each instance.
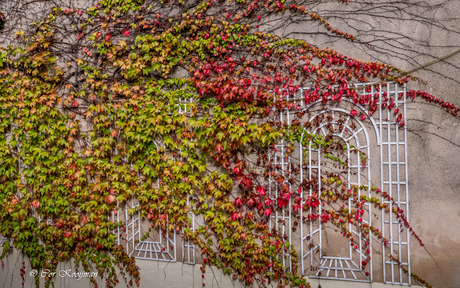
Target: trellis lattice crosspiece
(376, 158)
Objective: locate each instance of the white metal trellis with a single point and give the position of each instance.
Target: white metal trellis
(185, 106)
(392, 143)
(4, 239)
(394, 177)
(160, 246)
(163, 246)
(282, 221)
(115, 216)
(21, 167)
(8, 136)
(188, 247)
(350, 267)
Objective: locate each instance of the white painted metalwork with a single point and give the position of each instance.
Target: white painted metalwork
(141, 240)
(393, 155)
(115, 216)
(185, 106)
(160, 246)
(281, 221)
(391, 141)
(3, 239)
(188, 247)
(344, 268)
(8, 138)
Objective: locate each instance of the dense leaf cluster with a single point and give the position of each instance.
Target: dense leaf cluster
(172, 104)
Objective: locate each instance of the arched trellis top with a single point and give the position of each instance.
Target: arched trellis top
(359, 106)
(304, 107)
(361, 124)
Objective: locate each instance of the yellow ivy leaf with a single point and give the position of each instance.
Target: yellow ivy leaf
(19, 33)
(122, 43)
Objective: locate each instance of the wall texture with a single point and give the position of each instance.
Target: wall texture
(155, 274)
(405, 34)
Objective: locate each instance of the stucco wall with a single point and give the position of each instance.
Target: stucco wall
(153, 274)
(433, 135)
(433, 149)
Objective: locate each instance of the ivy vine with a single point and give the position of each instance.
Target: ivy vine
(169, 101)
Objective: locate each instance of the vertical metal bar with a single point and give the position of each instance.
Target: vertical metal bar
(407, 187)
(301, 207)
(371, 266)
(382, 166)
(320, 205)
(276, 192)
(390, 184)
(174, 248)
(350, 249)
(289, 228)
(118, 220)
(310, 210)
(359, 164)
(302, 103)
(369, 207)
(398, 185)
(127, 225)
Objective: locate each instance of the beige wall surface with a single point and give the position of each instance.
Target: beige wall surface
(433, 135)
(406, 36)
(153, 275)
